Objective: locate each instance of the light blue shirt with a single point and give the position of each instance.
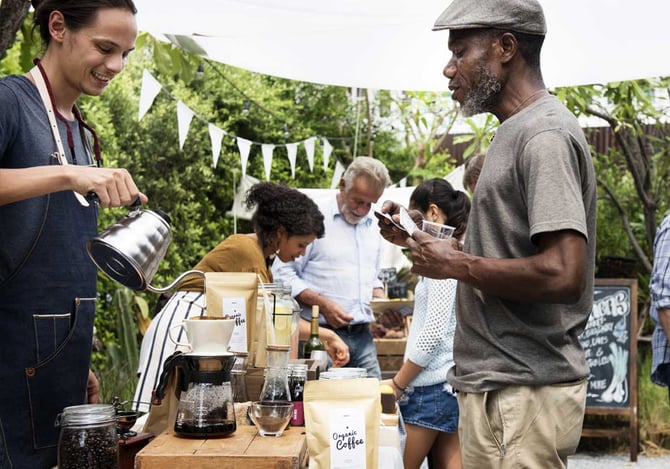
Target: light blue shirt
(343, 266)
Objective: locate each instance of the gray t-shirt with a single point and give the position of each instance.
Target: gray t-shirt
(537, 177)
(26, 140)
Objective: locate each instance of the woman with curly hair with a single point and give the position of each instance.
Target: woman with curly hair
(285, 222)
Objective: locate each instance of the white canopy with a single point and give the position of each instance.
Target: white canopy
(388, 44)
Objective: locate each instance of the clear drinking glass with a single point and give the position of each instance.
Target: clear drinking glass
(271, 417)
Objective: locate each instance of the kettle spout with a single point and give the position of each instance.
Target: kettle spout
(176, 281)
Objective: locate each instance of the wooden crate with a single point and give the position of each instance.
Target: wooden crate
(244, 449)
(390, 353)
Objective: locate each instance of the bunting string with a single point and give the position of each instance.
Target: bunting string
(150, 88)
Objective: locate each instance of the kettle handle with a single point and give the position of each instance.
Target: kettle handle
(93, 197)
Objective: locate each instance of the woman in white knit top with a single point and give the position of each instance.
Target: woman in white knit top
(426, 401)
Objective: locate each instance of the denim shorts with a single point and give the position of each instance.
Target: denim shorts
(430, 406)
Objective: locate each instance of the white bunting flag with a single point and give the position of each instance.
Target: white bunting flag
(309, 148)
(215, 135)
(337, 175)
(292, 150)
(267, 149)
(327, 150)
(148, 92)
(184, 117)
(244, 146)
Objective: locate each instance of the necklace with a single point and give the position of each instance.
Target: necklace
(525, 101)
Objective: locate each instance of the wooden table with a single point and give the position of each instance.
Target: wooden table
(245, 448)
(129, 447)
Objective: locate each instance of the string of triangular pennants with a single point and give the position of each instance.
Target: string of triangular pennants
(151, 87)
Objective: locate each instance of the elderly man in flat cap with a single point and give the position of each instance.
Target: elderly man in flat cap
(526, 271)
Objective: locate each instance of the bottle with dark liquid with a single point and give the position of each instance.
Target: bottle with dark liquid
(314, 342)
(297, 388)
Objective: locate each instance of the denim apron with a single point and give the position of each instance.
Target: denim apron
(46, 312)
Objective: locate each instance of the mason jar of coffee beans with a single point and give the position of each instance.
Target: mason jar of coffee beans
(88, 438)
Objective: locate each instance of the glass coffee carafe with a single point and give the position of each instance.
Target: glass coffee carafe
(206, 401)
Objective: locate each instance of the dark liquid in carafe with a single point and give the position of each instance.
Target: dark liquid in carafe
(205, 430)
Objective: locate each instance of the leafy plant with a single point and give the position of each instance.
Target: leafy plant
(118, 377)
(653, 407)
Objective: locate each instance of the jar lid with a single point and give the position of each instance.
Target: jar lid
(87, 414)
(298, 369)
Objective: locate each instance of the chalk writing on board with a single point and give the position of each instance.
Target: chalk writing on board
(606, 343)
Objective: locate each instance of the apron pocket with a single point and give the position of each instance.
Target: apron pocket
(59, 379)
(51, 330)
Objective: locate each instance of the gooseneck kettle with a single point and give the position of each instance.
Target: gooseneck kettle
(130, 250)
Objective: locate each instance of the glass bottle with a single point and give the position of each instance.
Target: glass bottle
(275, 386)
(314, 342)
(238, 377)
(278, 307)
(88, 437)
(297, 387)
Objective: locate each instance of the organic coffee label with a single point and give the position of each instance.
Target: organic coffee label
(236, 308)
(347, 444)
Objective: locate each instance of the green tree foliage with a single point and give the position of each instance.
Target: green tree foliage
(633, 174)
(425, 120)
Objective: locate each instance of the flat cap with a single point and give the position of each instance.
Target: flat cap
(522, 16)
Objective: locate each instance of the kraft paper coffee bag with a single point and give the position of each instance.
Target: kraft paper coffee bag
(342, 419)
(234, 294)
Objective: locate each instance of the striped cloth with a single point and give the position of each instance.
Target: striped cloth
(157, 345)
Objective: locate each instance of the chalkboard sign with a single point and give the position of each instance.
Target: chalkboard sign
(607, 345)
(610, 345)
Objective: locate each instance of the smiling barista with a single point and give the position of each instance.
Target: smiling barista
(47, 281)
